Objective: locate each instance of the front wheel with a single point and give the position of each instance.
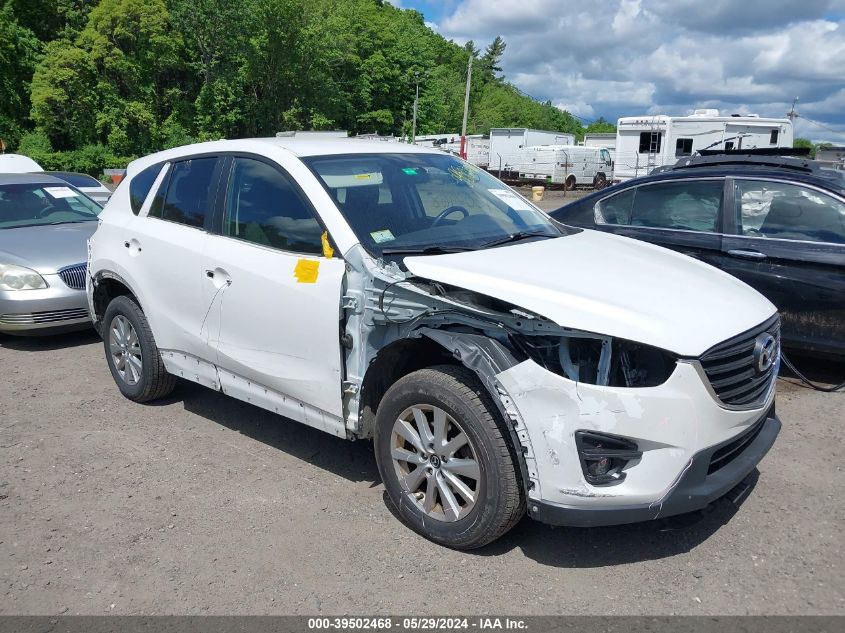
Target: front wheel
(444, 459)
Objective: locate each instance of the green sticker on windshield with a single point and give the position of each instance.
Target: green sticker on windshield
(411, 171)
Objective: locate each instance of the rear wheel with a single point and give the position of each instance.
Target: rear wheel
(569, 183)
(444, 459)
(131, 352)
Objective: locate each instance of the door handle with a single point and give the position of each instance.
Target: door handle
(219, 277)
(744, 254)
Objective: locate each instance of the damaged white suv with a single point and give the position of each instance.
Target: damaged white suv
(500, 361)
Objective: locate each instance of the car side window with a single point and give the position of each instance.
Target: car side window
(189, 192)
(616, 209)
(688, 205)
(263, 207)
(787, 211)
(140, 187)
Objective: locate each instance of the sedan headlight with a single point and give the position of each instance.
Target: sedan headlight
(14, 277)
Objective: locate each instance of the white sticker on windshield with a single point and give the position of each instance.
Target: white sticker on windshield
(513, 200)
(61, 192)
(384, 235)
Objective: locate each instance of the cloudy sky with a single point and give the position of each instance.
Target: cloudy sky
(613, 58)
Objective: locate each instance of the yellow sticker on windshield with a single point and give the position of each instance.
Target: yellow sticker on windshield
(306, 271)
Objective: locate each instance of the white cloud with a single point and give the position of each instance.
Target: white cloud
(624, 57)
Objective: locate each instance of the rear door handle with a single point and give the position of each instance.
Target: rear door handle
(219, 277)
(744, 254)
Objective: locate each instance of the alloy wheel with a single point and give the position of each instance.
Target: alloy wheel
(435, 462)
(125, 350)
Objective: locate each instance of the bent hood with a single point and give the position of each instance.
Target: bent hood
(612, 285)
(48, 247)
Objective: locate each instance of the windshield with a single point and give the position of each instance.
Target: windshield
(77, 180)
(405, 203)
(33, 204)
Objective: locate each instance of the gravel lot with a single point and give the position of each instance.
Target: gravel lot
(203, 504)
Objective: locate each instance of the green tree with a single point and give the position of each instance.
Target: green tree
(805, 143)
(115, 83)
(18, 55)
(600, 126)
(493, 57)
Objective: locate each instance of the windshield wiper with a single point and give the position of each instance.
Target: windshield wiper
(426, 250)
(516, 237)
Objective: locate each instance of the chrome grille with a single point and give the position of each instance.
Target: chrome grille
(74, 276)
(44, 317)
(732, 371)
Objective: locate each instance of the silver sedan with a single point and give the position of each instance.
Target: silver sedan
(45, 224)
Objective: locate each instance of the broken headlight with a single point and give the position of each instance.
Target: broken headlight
(601, 360)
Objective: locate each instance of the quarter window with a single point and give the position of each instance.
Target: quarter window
(140, 187)
(189, 192)
(786, 211)
(263, 207)
(773, 138)
(616, 209)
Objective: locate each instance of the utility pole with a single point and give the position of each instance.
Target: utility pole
(416, 101)
(466, 109)
(792, 114)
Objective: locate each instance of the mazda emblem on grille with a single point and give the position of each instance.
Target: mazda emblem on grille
(765, 350)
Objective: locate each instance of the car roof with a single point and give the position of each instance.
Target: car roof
(833, 181)
(299, 147)
(26, 179)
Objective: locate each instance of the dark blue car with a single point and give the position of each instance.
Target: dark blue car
(776, 223)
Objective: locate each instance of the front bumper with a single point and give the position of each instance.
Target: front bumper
(696, 488)
(50, 310)
(676, 427)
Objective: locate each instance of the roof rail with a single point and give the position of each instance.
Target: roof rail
(756, 158)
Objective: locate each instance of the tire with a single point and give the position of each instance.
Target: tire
(140, 374)
(569, 184)
(600, 181)
(467, 409)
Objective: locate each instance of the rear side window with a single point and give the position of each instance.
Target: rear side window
(263, 207)
(189, 191)
(788, 212)
(689, 205)
(140, 187)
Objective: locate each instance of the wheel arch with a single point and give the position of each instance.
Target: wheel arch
(107, 286)
(484, 356)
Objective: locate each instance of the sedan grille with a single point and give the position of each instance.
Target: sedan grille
(740, 370)
(44, 317)
(74, 276)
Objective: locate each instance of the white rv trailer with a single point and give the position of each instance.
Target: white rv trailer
(506, 145)
(568, 165)
(649, 141)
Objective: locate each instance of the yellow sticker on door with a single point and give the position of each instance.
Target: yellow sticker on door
(306, 271)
